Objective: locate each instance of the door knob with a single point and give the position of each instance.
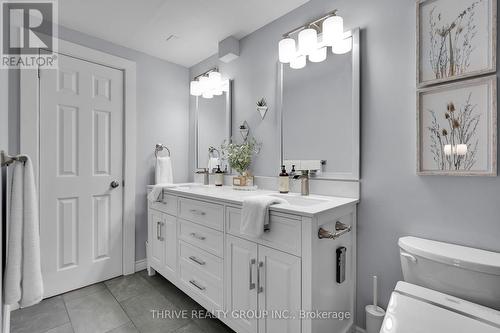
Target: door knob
(114, 184)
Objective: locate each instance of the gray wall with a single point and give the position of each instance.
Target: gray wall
(162, 116)
(394, 201)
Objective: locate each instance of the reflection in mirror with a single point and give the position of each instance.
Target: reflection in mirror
(320, 115)
(213, 128)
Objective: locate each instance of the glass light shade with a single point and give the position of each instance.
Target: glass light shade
(447, 150)
(342, 46)
(287, 49)
(215, 78)
(308, 41)
(318, 55)
(207, 94)
(333, 30)
(204, 83)
(462, 149)
(194, 88)
(298, 62)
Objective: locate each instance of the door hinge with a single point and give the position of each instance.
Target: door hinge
(38, 72)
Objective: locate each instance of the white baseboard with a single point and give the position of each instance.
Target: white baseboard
(140, 265)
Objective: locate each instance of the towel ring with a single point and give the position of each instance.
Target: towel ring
(159, 147)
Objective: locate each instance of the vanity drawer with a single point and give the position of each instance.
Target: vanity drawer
(284, 234)
(167, 205)
(209, 214)
(208, 239)
(203, 285)
(204, 261)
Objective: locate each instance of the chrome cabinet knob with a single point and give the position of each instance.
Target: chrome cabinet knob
(114, 184)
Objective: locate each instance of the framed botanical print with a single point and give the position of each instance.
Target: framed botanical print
(457, 128)
(455, 39)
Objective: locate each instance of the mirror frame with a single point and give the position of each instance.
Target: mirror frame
(228, 124)
(356, 102)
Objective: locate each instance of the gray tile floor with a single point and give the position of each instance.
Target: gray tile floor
(120, 305)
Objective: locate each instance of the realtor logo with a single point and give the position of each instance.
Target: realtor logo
(28, 34)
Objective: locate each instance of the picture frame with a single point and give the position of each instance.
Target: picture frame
(457, 128)
(456, 39)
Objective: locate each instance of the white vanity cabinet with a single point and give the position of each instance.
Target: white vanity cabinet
(257, 285)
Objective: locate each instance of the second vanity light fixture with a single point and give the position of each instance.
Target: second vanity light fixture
(313, 40)
(209, 84)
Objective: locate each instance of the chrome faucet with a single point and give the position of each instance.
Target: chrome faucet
(204, 172)
(304, 182)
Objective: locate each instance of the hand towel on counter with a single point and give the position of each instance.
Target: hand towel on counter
(156, 193)
(23, 274)
(255, 214)
(163, 170)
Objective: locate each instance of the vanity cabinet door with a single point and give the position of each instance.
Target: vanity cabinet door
(169, 233)
(156, 239)
(279, 291)
(241, 274)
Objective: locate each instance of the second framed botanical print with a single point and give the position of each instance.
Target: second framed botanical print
(455, 39)
(457, 128)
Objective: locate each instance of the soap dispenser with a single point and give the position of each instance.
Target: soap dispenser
(219, 176)
(284, 181)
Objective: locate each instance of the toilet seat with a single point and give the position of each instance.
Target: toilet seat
(414, 309)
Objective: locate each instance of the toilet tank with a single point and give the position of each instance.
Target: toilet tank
(460, 271)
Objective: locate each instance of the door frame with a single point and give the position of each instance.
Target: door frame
(30, 129)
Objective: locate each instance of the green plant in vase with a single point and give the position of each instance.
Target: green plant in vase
(239, 156)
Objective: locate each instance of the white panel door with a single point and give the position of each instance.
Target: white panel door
(279, 291)
(81, 154)
(241, 288)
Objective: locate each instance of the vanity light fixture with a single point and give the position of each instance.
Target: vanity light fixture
(209, 84)
(313, 40)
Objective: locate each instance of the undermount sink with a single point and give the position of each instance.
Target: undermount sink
(299, 200)
(191, 186)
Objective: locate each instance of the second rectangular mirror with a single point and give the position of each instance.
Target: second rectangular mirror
(213, 127)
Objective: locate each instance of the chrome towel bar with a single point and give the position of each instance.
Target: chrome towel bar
(340, 229)
(6, 160)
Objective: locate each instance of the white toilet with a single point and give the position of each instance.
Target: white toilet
(447, 288)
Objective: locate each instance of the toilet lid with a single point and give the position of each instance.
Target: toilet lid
(413, 309)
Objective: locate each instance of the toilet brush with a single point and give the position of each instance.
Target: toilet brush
(374, 313)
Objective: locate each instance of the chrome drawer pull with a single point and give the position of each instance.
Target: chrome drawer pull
(194, 283)
(260, 280)
(196, 260)
(252, 284)
(197, 212)
(194, 235)
(158, 230)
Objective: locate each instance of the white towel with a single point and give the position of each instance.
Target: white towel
(23, 274)
(255, 214)
(213, 162)
(163, 170)
(156, 193)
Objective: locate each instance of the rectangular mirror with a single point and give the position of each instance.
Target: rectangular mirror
(213, 127)
(319, 106)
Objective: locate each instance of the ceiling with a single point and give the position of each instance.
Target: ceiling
(194, 26)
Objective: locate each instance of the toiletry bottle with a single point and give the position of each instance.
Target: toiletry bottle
(219, 177)
(292, 172)
(284, 181)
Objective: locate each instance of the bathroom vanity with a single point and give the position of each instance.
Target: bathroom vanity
(258, 284)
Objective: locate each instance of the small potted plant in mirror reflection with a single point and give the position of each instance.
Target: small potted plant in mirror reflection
(262, 107)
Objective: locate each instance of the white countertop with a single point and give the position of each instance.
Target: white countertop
(301, 205)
